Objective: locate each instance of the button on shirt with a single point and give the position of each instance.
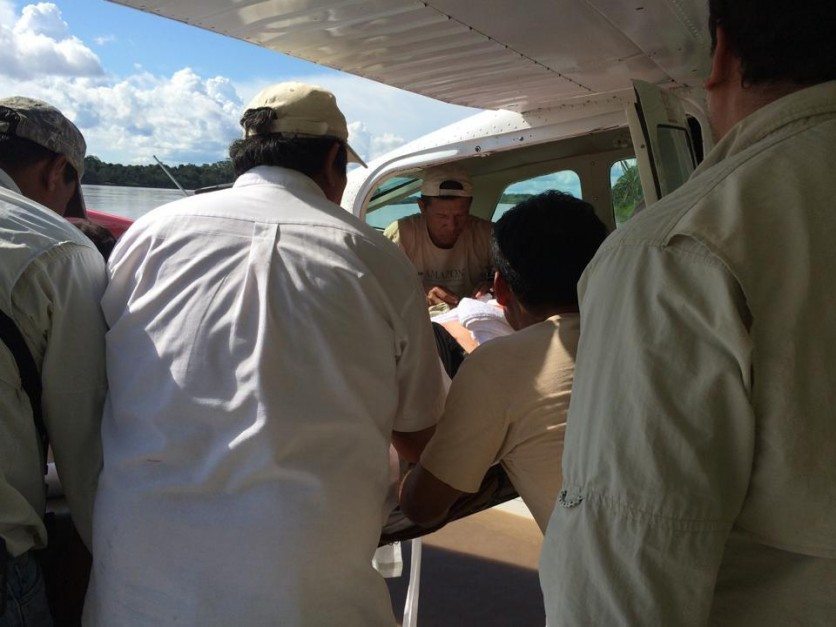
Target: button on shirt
(264, 343)
(51, 281)
(700, 460)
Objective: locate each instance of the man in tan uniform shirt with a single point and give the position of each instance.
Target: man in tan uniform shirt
(509, 400)
(700, 464)
(51, 281)
(450, 248)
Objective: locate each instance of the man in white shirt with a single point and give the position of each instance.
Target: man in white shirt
(509, 399)
(265, 347)
(52, 378)
(450, 248)
(699, 477)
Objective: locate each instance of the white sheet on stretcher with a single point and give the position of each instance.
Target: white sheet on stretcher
(484, 318)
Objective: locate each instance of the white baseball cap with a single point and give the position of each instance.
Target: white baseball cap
(447, 180)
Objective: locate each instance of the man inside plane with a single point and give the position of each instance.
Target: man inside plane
(450, 248)
(699, 476)
(509, 400)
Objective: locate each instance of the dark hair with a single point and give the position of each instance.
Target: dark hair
(542, 245)
(776, 41)
(99, 235)
(18, 153)
(304, 154)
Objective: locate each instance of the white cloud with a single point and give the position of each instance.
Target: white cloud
(7, 12)
(370, 145)
(184, 117)
(103, 40)
(38, 43)
(43, 18)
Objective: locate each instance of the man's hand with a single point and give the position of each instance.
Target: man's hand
(483, 289)
(437, 295)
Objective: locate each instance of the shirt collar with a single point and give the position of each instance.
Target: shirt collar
(8, 182)
(795, 107)
(283, 177)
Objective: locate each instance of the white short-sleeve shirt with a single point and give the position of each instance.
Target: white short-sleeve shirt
(263, 345)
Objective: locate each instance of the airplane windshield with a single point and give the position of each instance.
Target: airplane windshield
(392, 185)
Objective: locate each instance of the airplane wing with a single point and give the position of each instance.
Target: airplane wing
(519, 55)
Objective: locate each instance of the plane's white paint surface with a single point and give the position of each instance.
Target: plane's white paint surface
(519, 55)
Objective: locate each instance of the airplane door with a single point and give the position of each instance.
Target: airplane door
(662, 139)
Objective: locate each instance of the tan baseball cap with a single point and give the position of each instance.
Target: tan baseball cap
(304, 110)
(447, 180)
(46, 126)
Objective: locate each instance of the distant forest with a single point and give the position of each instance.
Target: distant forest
(190, 176)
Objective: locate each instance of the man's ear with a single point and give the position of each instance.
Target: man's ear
(53, 171)
(332, 178)
(331, 158)
(723, 61)
(422, 204)
(501, 290)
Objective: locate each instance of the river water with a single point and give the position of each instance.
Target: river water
(128, 202)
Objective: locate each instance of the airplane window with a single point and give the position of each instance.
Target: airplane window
(394, 199)
(565, 181)
(627, 193)
(393, 184)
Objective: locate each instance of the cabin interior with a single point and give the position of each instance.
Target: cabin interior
(600, 166)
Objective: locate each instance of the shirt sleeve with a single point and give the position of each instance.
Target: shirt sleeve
(61, 292)
(420, 387)
(472, 430)
(659, 442)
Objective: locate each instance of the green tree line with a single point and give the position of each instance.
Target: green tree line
(190, 176)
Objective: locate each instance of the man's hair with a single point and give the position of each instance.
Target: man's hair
(542, 245)
(102, 239)
(304, 154)
(18, 154)
(778, 41)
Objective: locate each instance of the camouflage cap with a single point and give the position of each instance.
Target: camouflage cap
(46, 126)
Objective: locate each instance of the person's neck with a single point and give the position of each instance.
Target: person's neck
(526, 317)
(744, 100)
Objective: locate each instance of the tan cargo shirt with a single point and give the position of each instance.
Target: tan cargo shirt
(700, 454)
(51, 282)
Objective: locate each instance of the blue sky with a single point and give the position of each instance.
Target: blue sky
(138, 85)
